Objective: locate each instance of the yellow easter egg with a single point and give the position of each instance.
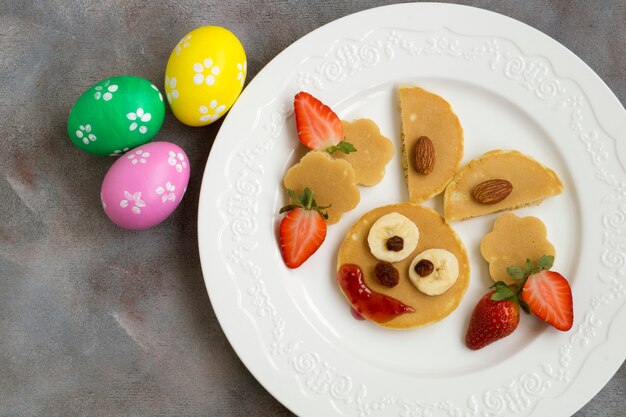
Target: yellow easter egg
(205, 74)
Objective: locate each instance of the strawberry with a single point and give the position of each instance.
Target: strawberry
(549, 297)
(545, 293)
(302, 230)
(495, 316)
(318, 126)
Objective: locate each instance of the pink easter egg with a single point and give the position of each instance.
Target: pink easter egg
(145, 185)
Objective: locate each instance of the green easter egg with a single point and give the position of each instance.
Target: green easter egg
(115, 115)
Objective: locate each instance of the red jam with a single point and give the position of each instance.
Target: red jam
(356, 314)
(369, 304)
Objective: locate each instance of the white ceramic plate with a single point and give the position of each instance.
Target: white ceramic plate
(512, 88)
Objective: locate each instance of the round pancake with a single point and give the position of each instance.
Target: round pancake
(434, 233)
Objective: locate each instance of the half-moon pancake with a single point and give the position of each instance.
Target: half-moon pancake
(433, 233)
(531, 182)
(426, 114)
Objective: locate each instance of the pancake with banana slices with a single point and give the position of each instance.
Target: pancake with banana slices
(407, 238)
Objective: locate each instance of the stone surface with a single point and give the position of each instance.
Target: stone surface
(96, 320)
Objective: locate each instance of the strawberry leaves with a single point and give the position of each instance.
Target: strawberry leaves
(516, 272)
(304, 200)
(343, 146)
(502, 292)
(543, 264)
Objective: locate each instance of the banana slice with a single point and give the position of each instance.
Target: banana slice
(393, 237)
(437, 271)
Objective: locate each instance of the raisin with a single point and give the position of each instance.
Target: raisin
(395, 243)
(424, 268)
(386, 274)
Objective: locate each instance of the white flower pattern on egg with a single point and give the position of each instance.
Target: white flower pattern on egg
(139, 156)
(167, 192)
(118, 152)
(84, 133)
(157, 90)
(183, 43)
(199, 69)
(211, 113)
(177, 161)
(134, 200)
(243, 69)
(172, 94)
(108, 94)
(137, 117)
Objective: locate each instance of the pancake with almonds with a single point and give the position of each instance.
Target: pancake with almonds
(433, 233)
(532, 182)
(426, 114)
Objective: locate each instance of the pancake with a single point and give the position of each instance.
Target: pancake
(532, 182)
(433, 233)
(426, 114)
(513, 240)
(373, 151)
(332, 182)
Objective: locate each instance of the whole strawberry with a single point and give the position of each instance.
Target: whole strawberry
(303, 230)
(495, 316)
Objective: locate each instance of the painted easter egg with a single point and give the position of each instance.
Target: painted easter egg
(205, 74)
(115, 115)
(145, 185)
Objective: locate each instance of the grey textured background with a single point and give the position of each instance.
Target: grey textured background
(96, 320)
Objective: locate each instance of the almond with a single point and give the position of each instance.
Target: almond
(424, 155)
(492, 191)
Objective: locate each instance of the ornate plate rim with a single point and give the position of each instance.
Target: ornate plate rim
(594, 87)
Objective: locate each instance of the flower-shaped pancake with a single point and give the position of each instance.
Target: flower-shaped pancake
(373, 151)
(332, 182)
(512, 241)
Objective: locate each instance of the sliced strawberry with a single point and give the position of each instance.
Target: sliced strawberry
(318, 126)
(302, 230)
(301, 234)
(545, 293)
(549, 297)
